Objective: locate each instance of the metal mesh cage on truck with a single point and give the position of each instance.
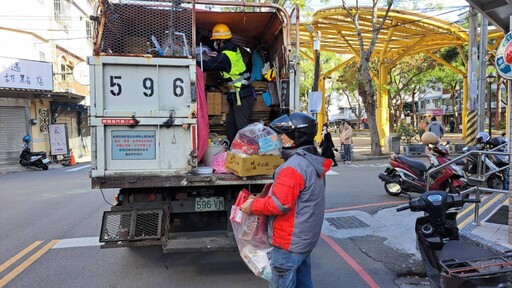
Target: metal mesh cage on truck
(159, 27)
(131, 225)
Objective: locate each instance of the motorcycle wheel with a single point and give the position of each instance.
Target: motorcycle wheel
(393, 189)
(495, 182)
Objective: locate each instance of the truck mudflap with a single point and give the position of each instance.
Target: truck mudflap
(131, 225)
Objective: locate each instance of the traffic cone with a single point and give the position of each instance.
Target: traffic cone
(72, 160)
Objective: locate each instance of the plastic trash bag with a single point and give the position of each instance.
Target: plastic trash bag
(256, 138)
(219, 163)
(251, 237)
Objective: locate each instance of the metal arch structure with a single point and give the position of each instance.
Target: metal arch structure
(403, 34)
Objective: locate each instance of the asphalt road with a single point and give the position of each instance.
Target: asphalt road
(50, 222)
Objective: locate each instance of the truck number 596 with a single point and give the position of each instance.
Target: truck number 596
(116, 89)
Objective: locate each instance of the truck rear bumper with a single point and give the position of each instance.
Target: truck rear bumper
(218, 243)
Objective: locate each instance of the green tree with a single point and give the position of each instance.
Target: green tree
(407, 77)
(366, 89)
(346, 86)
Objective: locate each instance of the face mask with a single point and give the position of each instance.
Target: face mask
(286, 143)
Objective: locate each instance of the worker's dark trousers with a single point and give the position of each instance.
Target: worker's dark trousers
(239, 116)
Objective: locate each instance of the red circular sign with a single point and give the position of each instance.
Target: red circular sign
(508, 53)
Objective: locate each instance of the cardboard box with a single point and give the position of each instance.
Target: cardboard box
(217, 103)
(259, 105)
(214, 100)
(252, 165)
(224, 105)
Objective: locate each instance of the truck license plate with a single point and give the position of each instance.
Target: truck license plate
(210, 204)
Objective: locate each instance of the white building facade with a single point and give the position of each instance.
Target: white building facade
(44, 40)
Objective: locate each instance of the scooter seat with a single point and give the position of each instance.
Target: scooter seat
(462, 251)
(413, 163)
(38, 153)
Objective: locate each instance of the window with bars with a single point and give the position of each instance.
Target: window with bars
(65, 71)
(61, 12)
(89, 26)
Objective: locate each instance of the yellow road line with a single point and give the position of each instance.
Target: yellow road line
(471, 207)
(465, 211)
(16, 271)
(463, 223)
(19, 255)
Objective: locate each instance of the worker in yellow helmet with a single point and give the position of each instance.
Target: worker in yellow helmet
(229, 62)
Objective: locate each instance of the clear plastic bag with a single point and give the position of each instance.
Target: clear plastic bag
(251, 237)
(258, 139)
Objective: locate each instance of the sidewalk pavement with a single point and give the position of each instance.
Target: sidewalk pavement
(490, 235)
(14, 167)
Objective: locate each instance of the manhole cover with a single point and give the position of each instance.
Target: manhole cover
(346, 222)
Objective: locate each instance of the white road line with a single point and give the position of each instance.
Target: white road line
(79, 168)
(77, 242)
(330, 172)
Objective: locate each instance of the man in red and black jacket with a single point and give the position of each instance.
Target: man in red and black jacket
(295, 203)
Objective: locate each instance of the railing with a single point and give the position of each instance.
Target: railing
(479, 178)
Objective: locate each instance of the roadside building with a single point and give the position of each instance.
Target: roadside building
(46, 42)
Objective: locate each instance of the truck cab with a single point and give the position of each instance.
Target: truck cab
(147, 99)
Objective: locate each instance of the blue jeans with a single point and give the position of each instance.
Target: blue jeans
(347, 149)
(290, 270)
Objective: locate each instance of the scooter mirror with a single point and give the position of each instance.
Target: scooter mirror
(408, 195)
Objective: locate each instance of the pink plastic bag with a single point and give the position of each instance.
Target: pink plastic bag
(219, 163)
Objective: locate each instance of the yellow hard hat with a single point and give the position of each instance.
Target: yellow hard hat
(221, 32)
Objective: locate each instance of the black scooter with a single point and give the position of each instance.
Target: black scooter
(37, 159)
(449, 262)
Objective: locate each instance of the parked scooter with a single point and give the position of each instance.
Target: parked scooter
(492, 162)
(449, 262)
(408, 175)
(37, 159)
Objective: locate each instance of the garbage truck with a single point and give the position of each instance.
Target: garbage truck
(144, 115)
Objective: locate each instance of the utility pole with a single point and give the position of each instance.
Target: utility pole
(469, 105)
(481, 74)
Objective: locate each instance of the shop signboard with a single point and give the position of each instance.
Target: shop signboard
(25, 74)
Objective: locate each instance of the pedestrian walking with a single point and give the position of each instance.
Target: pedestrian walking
(327, 145)
(295, 203)
(436, 127)
(346, 141)
(452, 125)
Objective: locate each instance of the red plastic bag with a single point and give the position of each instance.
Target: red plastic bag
(251, 237)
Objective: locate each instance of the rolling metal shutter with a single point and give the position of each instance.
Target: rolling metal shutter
(12, 130)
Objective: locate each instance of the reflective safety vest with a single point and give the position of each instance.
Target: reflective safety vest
(237, 67)
(236, 73)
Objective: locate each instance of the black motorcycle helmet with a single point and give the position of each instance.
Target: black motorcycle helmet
(299, 127)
